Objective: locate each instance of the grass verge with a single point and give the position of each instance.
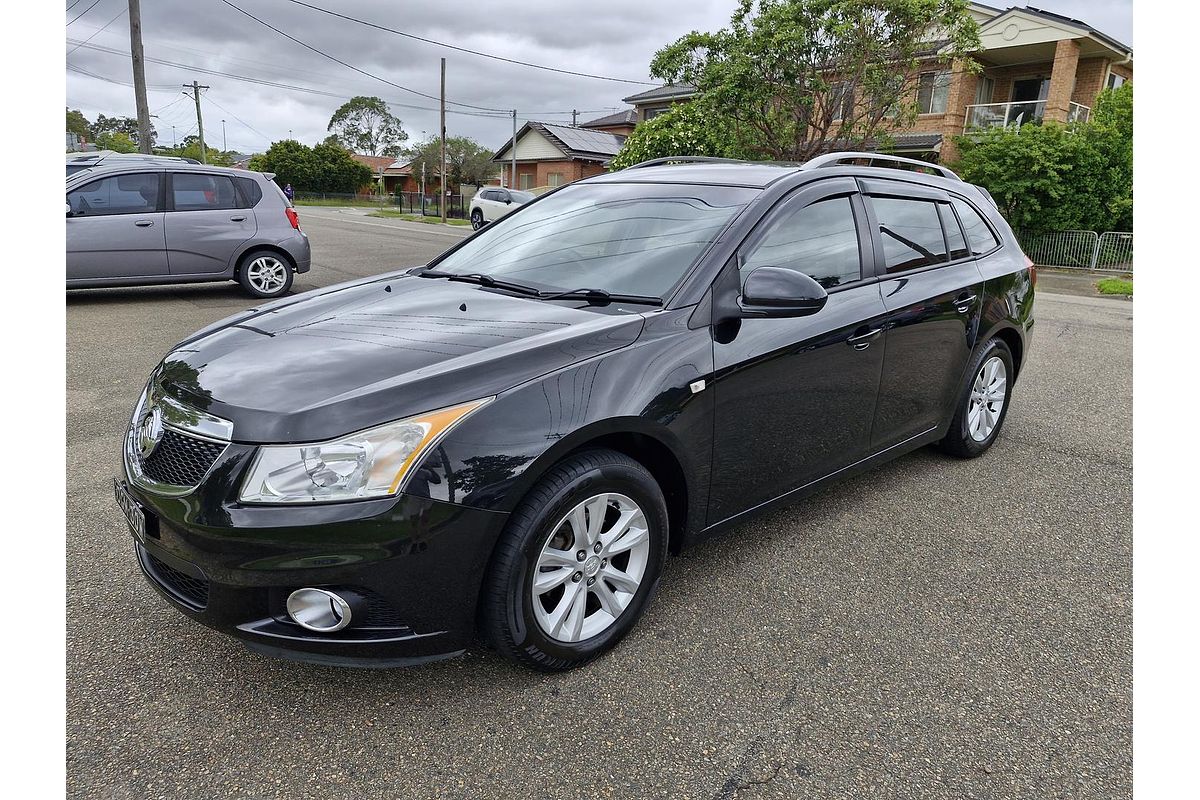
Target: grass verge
(1122, 286)
(388, 213)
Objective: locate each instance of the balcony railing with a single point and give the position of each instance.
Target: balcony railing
(1029, 112)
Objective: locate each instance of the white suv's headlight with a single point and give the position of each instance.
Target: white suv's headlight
(370, 463)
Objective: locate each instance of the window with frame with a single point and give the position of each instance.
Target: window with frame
(554, 179)
(954, 233)
(933, 92)
(118, 194)
(979, 234)
(654, 111)
(820, 240)
(984, 90)
(1115, 81)
(911, 231)
(197, 192)
(526, 181)
(841, 100)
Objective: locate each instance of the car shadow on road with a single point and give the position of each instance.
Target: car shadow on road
(205, 292)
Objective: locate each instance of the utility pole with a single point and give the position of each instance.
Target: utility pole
(512, 182)
(139, 75)
(224, 141)
(196, 87)
(174, 144)
(442, 201)
(574, 117)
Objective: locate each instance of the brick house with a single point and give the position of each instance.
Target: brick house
(551, 155)
(1037, 66)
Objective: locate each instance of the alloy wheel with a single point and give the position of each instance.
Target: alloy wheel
(266, 274)
(591, 567)
(988, 394)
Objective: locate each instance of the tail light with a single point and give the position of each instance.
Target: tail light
(293, 217)
(1029, 265)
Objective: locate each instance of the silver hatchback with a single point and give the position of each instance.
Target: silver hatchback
(153, 223)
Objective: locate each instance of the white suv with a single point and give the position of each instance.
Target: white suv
(491, 204)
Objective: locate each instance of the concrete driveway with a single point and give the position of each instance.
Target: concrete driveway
(935, 628)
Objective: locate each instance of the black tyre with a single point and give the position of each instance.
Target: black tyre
(265, 273)
(984, 402)
(476, 219)
(577, 564)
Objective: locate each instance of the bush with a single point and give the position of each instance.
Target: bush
(686, 129)
(324, 168)
(1052, 177)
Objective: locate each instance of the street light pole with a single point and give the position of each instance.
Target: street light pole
(224, 142)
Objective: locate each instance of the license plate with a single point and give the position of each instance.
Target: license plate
(134, 514)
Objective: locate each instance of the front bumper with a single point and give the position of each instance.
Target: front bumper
(418, 564)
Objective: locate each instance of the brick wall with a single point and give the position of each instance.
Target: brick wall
(540, 171)
(1089, 80)
(1062, 80)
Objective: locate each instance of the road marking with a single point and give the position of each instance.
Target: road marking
(403, 226)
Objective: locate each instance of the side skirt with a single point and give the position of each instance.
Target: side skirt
(883, 456)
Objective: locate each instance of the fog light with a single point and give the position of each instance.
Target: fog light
(320, 610)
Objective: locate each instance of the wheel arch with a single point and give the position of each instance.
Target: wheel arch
(1012, 337)
(253, 248)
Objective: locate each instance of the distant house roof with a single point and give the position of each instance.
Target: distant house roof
(672, 91)
(626, 117)
(376, 163)
(574, 143)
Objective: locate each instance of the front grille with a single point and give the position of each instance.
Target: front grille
(181, 460)
(189, 590)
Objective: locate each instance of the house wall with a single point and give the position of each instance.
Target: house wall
(540, 171)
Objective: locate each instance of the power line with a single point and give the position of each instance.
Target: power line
(350, 66)
(259, 133)
(89, 8)
(120, 14)
(260, 81)
(467, 50)
(83, 71)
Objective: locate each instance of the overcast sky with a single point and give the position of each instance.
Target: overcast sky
(615, 38)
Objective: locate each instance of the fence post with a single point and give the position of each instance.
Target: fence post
(1095, 254)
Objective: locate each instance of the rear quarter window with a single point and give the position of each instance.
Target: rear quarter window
(250, 190)
(979, 235)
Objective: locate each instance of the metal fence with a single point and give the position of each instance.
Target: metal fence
(406, 202)
(1111, 251)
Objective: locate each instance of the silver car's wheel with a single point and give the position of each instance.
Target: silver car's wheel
(267, 274)
(476, 219)
(590, 568)
(988, 393)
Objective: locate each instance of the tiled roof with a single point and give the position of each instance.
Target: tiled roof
(376, 163)
(626, 117)
(672, 91)
(575, 143)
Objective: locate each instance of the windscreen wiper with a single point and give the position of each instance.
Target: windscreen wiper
(601, 297)
(486, 281)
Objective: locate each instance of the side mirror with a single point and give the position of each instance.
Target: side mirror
(508, 201)
(68, 209)
(778, 292)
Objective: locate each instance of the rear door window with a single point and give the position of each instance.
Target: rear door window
(979, 235)
(195, 192)
(911, 233)
(116, 194)
(954, 234)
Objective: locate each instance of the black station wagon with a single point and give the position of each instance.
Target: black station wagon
(506, 443)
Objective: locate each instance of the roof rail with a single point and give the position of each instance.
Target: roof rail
(830, 159)
(654, 162)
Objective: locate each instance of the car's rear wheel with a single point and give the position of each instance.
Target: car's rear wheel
(984, 404)
(577, 563)
(476, 219)
(264, 273)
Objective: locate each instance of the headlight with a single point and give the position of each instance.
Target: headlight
(370, 463)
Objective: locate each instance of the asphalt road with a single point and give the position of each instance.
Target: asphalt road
(932, 629)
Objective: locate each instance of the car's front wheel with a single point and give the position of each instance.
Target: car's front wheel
(577, 563)
(476, 219)
(984, 403)
(264, 273)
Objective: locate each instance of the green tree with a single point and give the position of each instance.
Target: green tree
(793, 77)
(1057, 177)
(365, 125)
(467, 161)
(324, 168)
(119, 142)
(686, 129)
(190, 148)
(78, 124)
(125, 125)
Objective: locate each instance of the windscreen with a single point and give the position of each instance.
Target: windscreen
(624, 238)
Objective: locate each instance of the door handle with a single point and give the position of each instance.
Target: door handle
(861, 341)
(964, 302)
(237, 219)
(144, 223)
